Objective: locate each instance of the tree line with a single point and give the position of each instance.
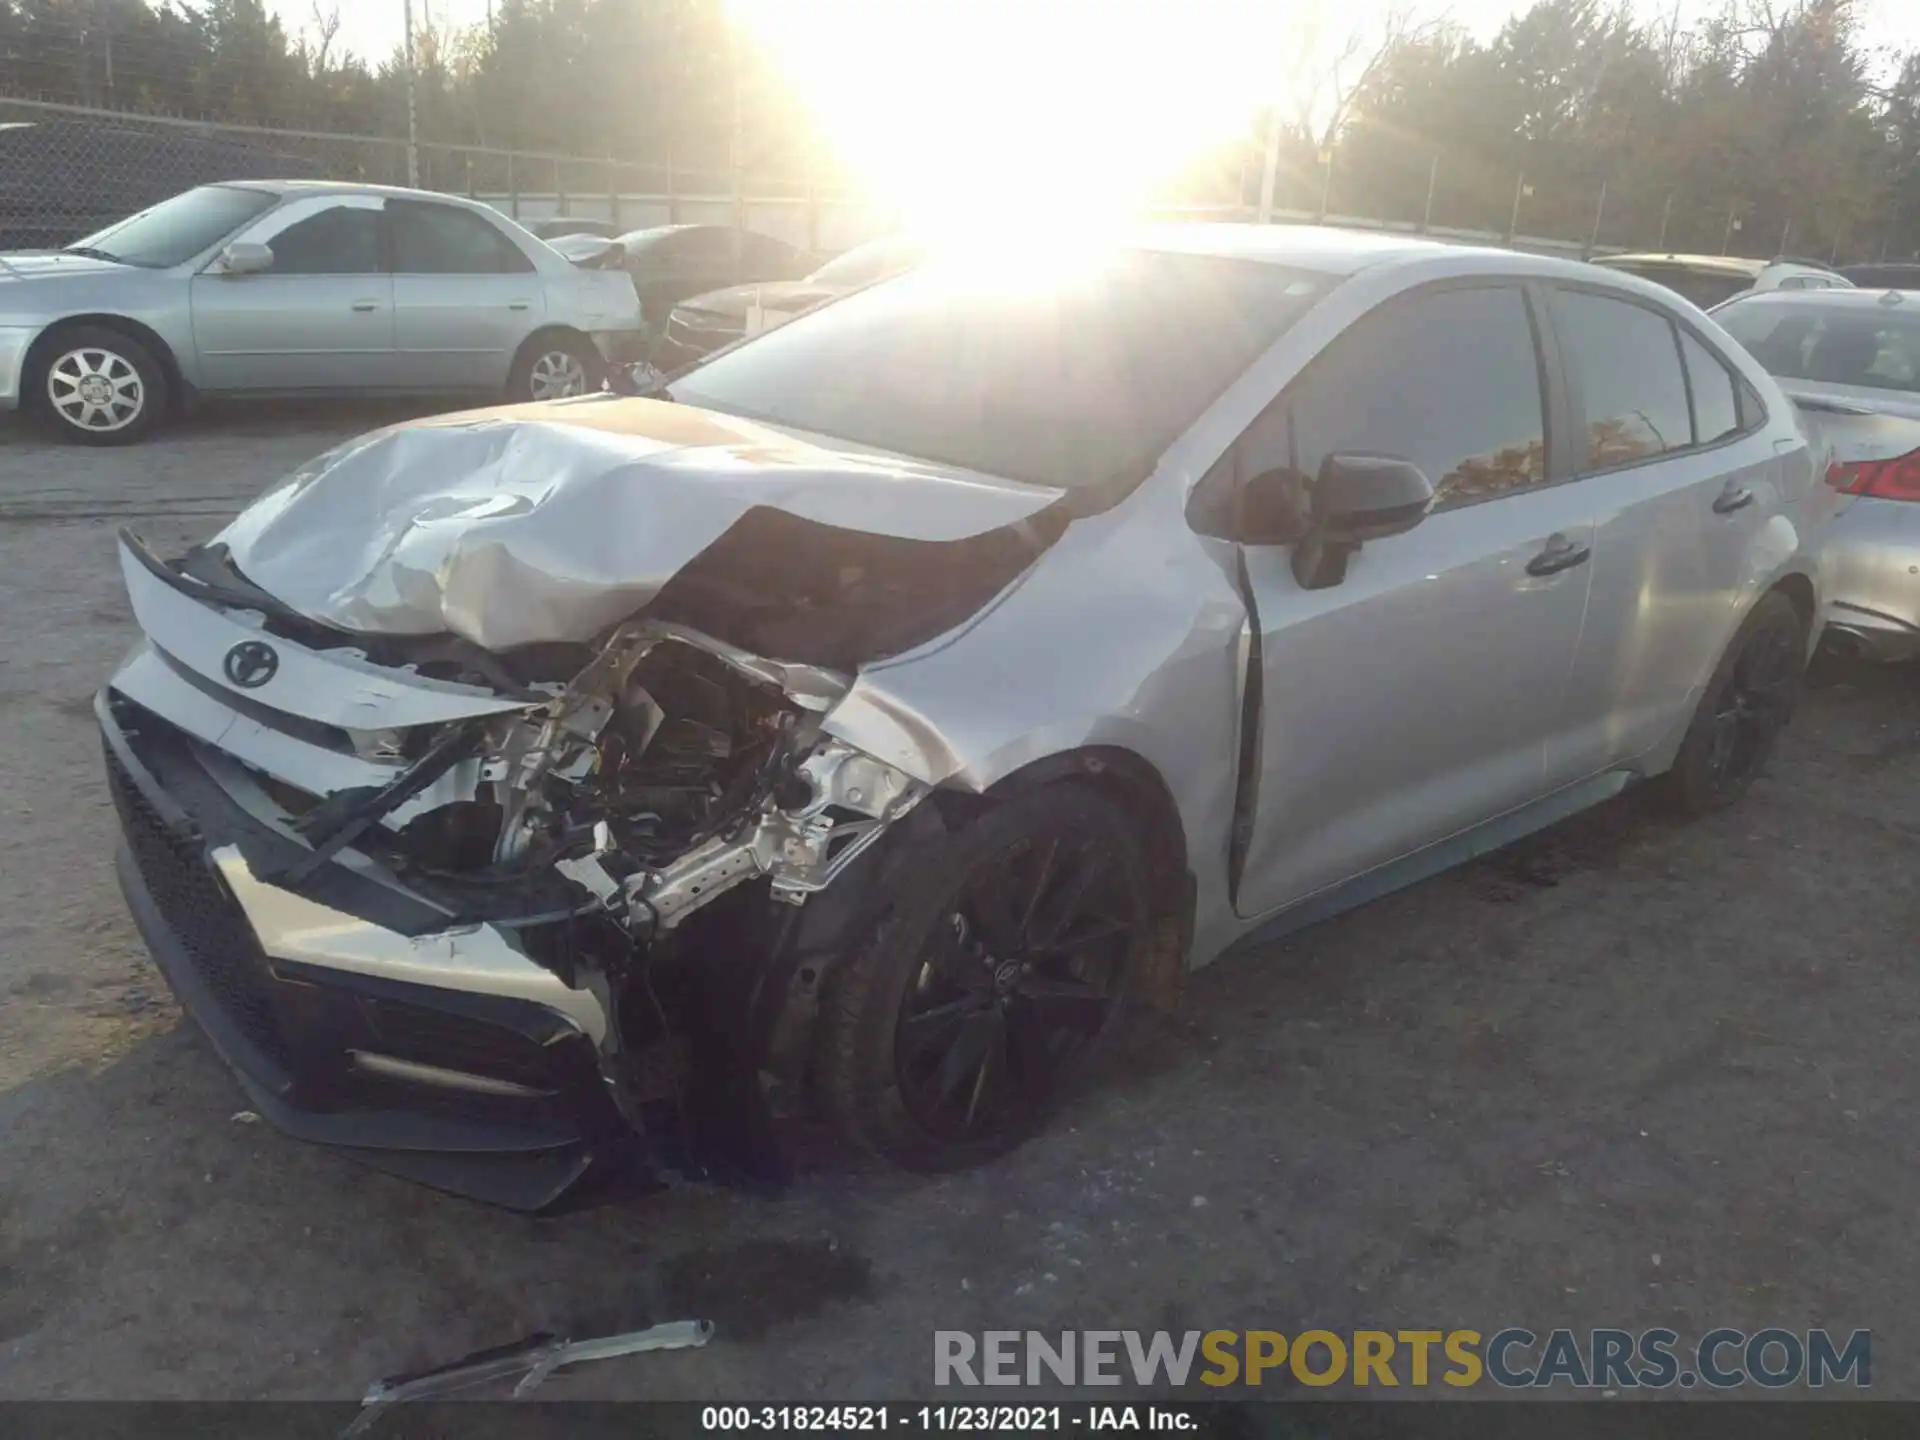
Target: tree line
(1772, 126)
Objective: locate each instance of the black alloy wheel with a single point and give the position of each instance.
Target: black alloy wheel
(1750, 700)
(961, 1027)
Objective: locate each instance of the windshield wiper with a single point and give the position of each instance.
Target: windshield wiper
(92, 252)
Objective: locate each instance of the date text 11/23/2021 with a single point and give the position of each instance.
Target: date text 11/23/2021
(938, 1419)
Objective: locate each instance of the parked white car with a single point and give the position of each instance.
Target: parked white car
(267, 288)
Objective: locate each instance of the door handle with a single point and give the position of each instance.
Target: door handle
(1560, 554)
(365, 307)
(518, 304)
(1734, 497)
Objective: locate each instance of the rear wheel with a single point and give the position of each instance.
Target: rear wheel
(1748, 702)
(97, 386)
(961, 1024)
(555, 367)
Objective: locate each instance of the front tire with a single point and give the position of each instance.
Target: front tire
(97, 386)
(1000, 966)
(556, 367)
(1750, 699)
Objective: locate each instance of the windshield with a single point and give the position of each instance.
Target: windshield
(176, 230)
(1077, 374)
(1877, 347)
(866, 263)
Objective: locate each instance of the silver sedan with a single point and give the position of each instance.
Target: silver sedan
(940, 672)
(1854, 357)
(266, 288)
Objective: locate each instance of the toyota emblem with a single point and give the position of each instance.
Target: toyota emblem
(251, 664)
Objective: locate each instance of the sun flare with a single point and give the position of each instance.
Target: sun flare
(970, 113)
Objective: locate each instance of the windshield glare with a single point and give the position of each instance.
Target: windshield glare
(1074, 374)
(1878, 348)
(176, 230)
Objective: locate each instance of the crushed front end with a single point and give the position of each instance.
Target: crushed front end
(491, 920)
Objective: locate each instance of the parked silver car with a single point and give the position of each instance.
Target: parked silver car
(261, 288)
(1855, 356)
(945, 668)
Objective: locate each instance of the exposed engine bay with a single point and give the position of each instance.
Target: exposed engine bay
(668, 771)
(598, 799)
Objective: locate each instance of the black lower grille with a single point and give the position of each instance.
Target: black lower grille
(205, 920)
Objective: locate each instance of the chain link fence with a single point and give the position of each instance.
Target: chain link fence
(67, 170)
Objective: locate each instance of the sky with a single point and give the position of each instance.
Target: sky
(373, 28)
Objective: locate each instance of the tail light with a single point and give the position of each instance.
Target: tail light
(1895, 479)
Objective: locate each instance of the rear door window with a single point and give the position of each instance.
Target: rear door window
(446, 240)
(1626, 358)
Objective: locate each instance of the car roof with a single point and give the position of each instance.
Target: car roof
(1860, 298)
(341, 187)
(1709, 264)
(1310, 247)
(1330, 251)
(347, 187)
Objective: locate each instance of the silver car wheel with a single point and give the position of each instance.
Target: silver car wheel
(96, 390)
(556, 375)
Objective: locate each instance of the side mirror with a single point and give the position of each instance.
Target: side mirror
(1357, 498)
(246, 257)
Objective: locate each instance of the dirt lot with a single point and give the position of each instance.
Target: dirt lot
(1627, 1074)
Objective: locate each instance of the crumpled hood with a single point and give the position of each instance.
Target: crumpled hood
(551, 522)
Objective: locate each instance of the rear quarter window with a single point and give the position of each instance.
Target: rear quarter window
(1634, 392)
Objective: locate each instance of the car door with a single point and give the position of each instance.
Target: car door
(464, 296)
(320, 318)
(1415, 698)
(1680, 484)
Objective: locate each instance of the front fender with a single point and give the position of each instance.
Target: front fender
(157, 302)
(1127, 634)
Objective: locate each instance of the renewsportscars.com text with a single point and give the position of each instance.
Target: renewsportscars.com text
(1513, 1358)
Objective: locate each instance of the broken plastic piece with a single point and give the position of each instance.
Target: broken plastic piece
(532, 1359)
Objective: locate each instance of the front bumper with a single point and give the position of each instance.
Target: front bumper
(1873, 557)
(354, 1012)
(14, 343)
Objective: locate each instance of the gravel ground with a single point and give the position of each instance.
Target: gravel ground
(1629, 1073)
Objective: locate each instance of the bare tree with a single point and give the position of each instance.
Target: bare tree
(1329, 66)
(323, 28)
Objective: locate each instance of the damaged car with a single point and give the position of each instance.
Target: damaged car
(865, 721)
